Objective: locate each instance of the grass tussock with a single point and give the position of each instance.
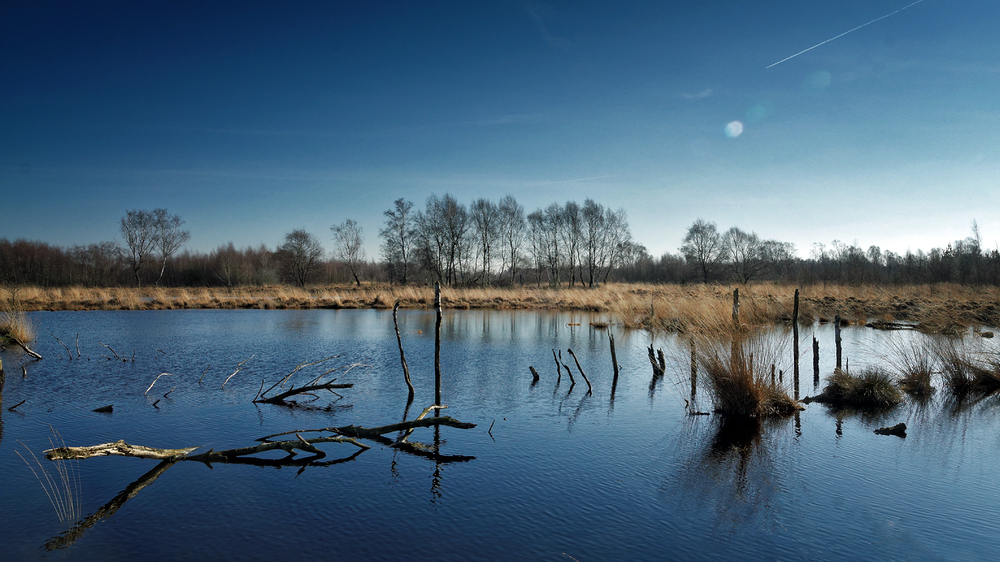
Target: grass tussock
(738, 375)
(14, 323)
(915, 362)
(871, 388)
(966, 367)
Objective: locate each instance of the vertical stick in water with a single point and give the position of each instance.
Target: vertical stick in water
(694, 371)
(437, 344)
(815, 361)
(736, 306)
(614, 362)
(836, 337)
(795, 341)
(402, 356)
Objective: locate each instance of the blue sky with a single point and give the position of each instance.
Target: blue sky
(251, 119)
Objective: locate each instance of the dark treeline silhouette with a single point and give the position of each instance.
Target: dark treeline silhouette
(484, 243)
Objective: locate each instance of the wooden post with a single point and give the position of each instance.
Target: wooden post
(773, 382)
(795, 336)
(534, 375)
(836, 338)
(402, 356)
(815, 361)
(579, 368)
(437, 343)
(614, 358)
(558, 368)
(736, 306)
(694, 370)
(3, 379)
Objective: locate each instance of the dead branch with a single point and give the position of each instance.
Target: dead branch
(579, 368)
(534, 375)
(154, 381)
(302, 366)
(659, 368)
(239, 366)
(118, 448)
(280, 398)
(68, 352)
(558, 368)
(11, 409)
(402, 356)
(204, 372)
(572, 381)
(113, 351)
(403, 436)
(78, 345)
(23, 346)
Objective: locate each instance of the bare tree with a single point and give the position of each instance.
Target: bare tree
(703, 247)
(397, 238)
(300, 253)
(745, 251)
(571, 233)
(348, 246)
(139, 230)
(169, 237)
(511, 233)
(485, 225)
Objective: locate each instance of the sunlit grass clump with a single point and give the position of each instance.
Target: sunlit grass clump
(738, 377)
(872, 387)
(14, 323)
(915, 362)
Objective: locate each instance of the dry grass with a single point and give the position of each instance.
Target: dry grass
(702, 309)
(738, 374)
(63, 487)
(915, 362)
(966, 367)
(870, 388)
(14, 323)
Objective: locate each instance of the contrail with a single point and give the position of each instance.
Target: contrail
(845, 33)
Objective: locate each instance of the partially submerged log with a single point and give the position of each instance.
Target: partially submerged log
(899, 430)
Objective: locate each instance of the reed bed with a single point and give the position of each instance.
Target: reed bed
(698, 309)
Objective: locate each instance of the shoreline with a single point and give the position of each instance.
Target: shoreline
(931, 308)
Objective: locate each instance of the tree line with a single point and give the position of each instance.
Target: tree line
(485, 243)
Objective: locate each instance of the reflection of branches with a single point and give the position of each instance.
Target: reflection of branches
(108, 509)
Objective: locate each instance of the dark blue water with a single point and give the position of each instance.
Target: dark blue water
(564, 474)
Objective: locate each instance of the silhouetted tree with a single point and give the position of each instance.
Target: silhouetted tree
(301, 254)
(348, 246)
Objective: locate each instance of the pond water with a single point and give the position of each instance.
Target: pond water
(557, 474)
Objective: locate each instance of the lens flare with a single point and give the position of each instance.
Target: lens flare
(734, 129)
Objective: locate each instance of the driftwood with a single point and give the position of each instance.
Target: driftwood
(25, 347)
(589, 387)
(308, 388)
(534, 374)
(899, 430)
(113, 351)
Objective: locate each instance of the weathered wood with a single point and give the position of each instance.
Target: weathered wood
(558, 367)
(614, 357)
(658, 368)
(534, 375)
(281, 398)
(577, 361)
(836, 338)
(113, 351)
(815, 361)
(795, 337)
(118, 448)
(68, 352)
(736, 306)
(156, 379)
(402, 356)
(437, 343)
(25, 347)
(694, 369)
(572, 381)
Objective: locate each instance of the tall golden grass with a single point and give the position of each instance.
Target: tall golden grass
(678, 308)
(14, 323)
(967, 368)
(737, 370)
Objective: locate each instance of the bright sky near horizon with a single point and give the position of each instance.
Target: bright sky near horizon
(250, 119)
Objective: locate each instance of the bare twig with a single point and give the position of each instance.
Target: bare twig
(589, 387)
(11, 409)
(68, 352)
(204, 372)
(112, 351)
(78, 344)
(402, 356)
(239, 366)
(154, 381)
(169, 391)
